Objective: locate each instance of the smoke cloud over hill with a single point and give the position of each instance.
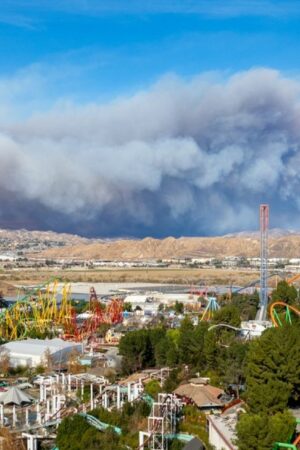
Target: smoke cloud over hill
(192, 157)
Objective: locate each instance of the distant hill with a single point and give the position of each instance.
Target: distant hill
(281, 244)
(16, 241)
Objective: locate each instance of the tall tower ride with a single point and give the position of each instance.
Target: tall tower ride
(264, 226)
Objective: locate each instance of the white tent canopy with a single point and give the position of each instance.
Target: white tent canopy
(15, 396)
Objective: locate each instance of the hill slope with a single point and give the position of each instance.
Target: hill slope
(286, 246)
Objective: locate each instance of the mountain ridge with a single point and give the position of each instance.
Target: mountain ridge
(49, 244)
(178, 248)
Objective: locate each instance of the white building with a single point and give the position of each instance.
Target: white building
(222, 428)
(31, 352)
(221, 433)
(255, 328)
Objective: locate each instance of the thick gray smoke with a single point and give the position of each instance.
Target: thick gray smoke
(183, 157)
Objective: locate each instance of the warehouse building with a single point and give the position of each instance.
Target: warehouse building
(31, 352)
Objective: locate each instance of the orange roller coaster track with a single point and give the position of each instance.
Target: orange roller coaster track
(276, 319)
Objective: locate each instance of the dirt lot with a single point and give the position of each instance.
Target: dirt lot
(166, 275)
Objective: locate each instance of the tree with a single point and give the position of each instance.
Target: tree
(273, 370)
(70, 432)
(127, 306)
(153, 388)
(138, 348)
(261, 431)
(195, 423)
(161, 350)
(179, 307)
(285, 293)
(176, 445)
(229, 314)
(172, 381)
(247, 304)
(210, 349)
(232, 364)
(198, 358)
(186, 342)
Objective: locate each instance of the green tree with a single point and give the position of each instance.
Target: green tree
(232, 363)
(210, 349)
(198, 358)
(173, 381)
(153, 388)
(229, 314)
(179, 307)
(285, 293)
(172, 353)
(273, 370)
(176, 445)
(186, 341)
(70, 432)
(127, 306)
(194, 422)
(138, 348)
(247, 304)
(261, 431)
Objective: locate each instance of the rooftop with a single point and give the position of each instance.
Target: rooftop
(37, 346)
(203, 395)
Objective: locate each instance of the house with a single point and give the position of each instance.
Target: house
(203, 395)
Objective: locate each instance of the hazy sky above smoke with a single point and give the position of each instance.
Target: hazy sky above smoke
(179, 147)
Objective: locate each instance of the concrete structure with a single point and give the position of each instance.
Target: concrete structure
(194, 444)
(31, 352)
(254, 328)
(220, 434)
(222, 428)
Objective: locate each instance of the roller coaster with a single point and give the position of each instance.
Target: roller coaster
(285, 314)
(41, 313)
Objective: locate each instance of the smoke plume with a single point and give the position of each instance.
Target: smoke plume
(182, 157)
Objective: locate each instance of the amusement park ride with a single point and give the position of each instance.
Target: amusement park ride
(279, 312)
(42, 313)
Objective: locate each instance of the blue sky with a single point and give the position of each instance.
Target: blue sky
(106, 47)
(71, 66)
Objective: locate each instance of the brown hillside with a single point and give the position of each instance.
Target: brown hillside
(149, 248)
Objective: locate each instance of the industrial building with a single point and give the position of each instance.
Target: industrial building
(31, 352)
